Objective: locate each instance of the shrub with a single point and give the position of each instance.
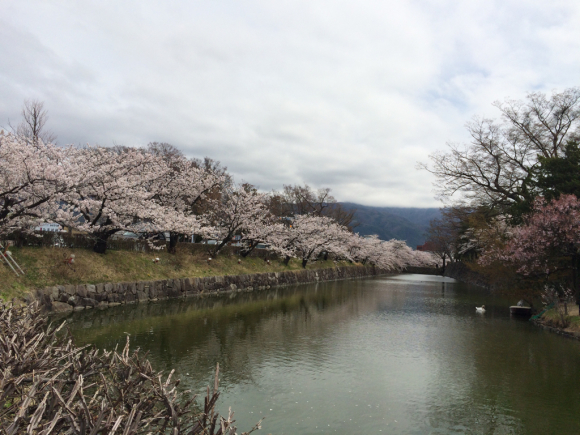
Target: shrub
(50, 386)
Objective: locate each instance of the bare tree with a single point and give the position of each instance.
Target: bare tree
(498, 166)
(442, 238)
(34, 118)
(301, 200)
(166, 151)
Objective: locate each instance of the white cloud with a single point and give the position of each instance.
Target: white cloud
(345, 94)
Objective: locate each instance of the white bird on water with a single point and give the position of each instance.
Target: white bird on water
(480, 309)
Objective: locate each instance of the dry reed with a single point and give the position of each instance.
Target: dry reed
(50, 386)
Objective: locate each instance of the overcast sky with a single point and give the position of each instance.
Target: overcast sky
(334, 93)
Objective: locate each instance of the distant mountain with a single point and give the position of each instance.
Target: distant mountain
(401, 223)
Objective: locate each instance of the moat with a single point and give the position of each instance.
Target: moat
(402, 354)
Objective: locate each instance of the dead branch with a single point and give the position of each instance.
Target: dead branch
(50, 386)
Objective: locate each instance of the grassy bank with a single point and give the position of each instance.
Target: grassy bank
(46, 266)
(552, 318)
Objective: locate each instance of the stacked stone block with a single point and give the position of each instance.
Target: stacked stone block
(85, 296)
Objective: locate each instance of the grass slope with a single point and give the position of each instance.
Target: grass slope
(45, 267)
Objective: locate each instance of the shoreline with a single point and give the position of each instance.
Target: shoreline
(46, 267)
(68, 298)
(461, 272)
(575, 335)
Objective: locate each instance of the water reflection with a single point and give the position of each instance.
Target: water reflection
(402, 354)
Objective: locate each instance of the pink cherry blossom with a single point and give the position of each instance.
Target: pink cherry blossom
(548, 241)
(33, 178)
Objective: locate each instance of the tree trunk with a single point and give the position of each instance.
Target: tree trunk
(443, 269)
(219, 247)
(247, 251)
(100, 246)
(286, 260)
(306, 258)
(173, 239)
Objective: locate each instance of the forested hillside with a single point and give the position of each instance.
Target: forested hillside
(402, 223)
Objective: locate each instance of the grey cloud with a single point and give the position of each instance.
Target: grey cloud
(347, 95)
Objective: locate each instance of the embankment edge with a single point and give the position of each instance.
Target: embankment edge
(63, 298)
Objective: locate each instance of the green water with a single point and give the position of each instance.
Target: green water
(404, 354)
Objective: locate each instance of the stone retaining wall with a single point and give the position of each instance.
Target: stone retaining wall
(62, 298)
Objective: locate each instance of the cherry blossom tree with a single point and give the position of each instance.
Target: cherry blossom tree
(310, 235)
(547, 245)
(424, 259)
(267, 230)
(101, 191)
(401, 254)
(368, 249)
(34, 176)
(392, 255)
(238, 211)
(181, 190)
(112, 193)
